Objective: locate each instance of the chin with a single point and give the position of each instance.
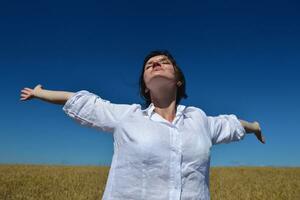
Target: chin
(160, 81)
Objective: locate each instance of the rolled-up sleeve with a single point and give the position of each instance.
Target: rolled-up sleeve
(88, 109)
(225, 129)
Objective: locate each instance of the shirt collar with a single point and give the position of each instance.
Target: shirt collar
(150, 110)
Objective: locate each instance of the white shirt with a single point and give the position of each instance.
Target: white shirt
(153, 158)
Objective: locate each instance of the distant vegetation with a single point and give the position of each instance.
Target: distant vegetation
(76, 183)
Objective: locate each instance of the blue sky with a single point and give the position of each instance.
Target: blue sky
(239, 57)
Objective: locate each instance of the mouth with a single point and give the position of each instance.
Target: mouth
(157, 69)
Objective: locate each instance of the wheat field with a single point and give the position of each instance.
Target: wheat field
(31, 182)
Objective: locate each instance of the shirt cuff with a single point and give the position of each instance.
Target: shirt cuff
(70, 102)
(240, 131)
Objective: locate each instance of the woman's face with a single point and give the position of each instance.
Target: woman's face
(159, 72)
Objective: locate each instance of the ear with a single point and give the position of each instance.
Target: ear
(179, 83)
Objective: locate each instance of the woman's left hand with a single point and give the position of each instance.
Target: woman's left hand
(258, 133)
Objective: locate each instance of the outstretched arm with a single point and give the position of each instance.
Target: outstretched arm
(56, 97)
(253, 128)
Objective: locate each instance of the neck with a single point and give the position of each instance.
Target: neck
(165, 105)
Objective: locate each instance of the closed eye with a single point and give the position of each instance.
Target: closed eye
(163, 61)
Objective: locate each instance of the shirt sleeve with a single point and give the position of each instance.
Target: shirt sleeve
(225, 129)
(90, 110)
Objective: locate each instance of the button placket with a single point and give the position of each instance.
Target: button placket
(178, 159)
(175, 162)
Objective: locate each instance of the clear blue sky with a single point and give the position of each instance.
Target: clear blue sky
(239, 57)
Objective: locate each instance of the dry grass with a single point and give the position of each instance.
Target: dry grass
(51, 182)
(66, 183)
(261, 183)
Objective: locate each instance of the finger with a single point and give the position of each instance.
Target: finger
(24, 95)
(26, 98)
(259, 136)
(25, 92)
(263, 140)
(29, 89)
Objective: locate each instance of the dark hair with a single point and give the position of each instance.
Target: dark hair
(178, 74)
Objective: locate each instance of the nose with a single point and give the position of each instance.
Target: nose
(156, 64)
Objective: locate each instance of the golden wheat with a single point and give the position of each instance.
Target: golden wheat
(32, 182)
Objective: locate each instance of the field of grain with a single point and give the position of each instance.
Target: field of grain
(65, 183)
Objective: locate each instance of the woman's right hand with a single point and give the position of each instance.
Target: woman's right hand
(28, 93)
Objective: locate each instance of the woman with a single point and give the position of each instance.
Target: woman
(161, 152)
